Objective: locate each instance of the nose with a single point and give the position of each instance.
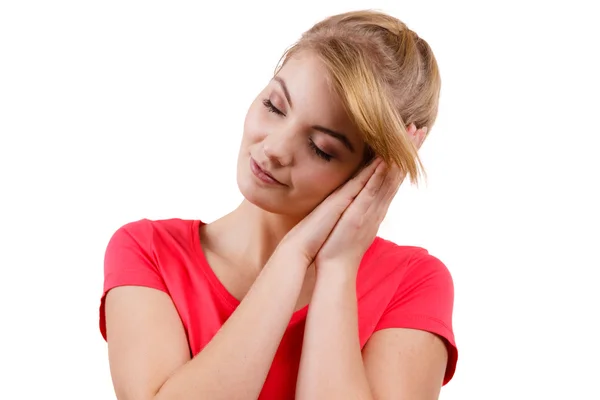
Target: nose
(278, 148)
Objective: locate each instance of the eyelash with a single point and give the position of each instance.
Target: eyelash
(267, 103)
(320, 153)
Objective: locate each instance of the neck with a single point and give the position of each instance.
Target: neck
(249, 234)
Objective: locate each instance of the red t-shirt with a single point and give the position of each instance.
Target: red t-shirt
(397, 287)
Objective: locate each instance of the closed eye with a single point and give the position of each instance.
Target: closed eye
(320, 153)
(267, 103)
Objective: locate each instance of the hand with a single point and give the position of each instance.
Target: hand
(359, 223)
(308, 235)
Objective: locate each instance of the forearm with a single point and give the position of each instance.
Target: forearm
(331, 366)
(235, 363)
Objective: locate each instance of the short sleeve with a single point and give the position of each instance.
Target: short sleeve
(424, 300)
(129, 260)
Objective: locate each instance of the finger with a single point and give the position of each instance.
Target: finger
(349, 190)
(392, 183)
(371, 191)
(379, 205)
(314, 229)
(330, 210)
(382, 195)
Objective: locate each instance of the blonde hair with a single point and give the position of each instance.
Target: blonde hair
(386, 76)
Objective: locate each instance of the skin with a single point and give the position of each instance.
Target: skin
(284, 246)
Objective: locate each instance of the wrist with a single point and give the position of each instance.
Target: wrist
(335, 284)
(338, 271)
(288, 256)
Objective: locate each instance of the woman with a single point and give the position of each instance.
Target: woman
(220, 311)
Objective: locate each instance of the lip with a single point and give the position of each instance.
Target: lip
(263, 175)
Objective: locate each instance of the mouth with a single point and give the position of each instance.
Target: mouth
(262, 175)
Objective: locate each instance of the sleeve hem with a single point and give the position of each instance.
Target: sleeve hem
(432, 325)
(102, 315)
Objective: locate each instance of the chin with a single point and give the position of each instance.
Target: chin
(265, 201)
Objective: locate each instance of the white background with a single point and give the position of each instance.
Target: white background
(119, 110)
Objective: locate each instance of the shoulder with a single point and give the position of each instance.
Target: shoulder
(413, 263)
(414, 284)
(146, 253)
(418, 290)
(148, 233)
(148, 248)
(146, 225)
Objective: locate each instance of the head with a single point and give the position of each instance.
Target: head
(344, 93)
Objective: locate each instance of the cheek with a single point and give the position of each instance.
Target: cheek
(255, 127)
(327, 179)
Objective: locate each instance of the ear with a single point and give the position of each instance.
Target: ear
(417, 135)
(421, 134)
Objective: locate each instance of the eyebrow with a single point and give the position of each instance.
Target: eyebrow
(337, 135)
(285, 89)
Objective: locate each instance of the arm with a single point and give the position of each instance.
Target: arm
(148, 350)
(331, 366)
(395, 364)
(405, 364)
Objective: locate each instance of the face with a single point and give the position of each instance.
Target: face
(299, 144)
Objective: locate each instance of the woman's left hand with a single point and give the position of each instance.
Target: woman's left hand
(358, 226)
